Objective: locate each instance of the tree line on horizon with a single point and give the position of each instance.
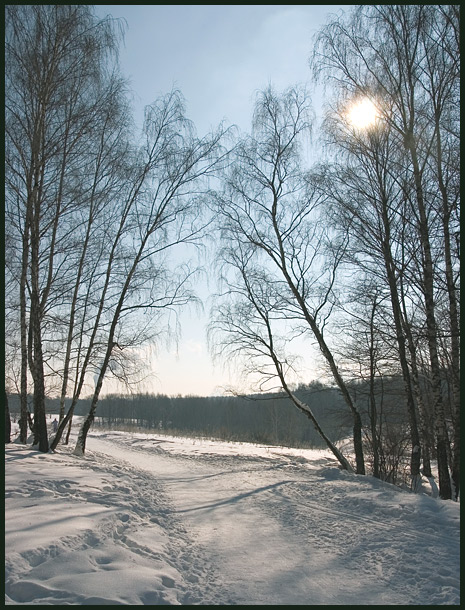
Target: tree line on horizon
(256, 418)
(358, 253)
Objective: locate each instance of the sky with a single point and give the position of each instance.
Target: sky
(219, 56)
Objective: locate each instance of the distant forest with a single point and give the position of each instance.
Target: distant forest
(255, 418)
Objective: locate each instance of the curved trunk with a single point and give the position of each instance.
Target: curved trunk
(415, 456)
(357, 427)
(357, 420)
(308, 412)
(372, 398)
(69, 430)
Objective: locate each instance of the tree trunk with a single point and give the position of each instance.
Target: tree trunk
(453, 308)
(357, 420)
(40, 424)
(424, 428)
(7, 421)
(442, 441)
(308, 412)
(390, 269)
(23, 329)
(455, 334)
(69, 430)
(82, 437)
(74, 301)
(373, 409)
(62, 425)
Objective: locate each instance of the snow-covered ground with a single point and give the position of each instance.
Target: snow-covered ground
(149, 519)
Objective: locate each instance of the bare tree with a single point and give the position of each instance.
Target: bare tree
(401, 57)
(270, 204)
(246, 327)
(160, 211)
(364, 350)
(55, 58)
(108, 173)
(366, 201)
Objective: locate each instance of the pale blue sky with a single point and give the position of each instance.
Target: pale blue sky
(219, 56)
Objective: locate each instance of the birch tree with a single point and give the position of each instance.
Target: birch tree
(56, 81)
(404, 58)
(271, 204)
(246, 328)
(160, 210)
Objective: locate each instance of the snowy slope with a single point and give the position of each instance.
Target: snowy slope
(148, 520)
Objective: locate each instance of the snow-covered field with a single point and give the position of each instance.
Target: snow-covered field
(149, 519)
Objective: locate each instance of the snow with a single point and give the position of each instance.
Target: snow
(147, 519)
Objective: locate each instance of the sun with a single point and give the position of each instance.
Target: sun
(362, 113)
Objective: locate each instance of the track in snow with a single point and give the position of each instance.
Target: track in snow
(278, 532)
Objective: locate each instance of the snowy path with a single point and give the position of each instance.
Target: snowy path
(280, 533)
(229, 507)
(155, 520)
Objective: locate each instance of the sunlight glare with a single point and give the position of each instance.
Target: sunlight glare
(362, 114)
